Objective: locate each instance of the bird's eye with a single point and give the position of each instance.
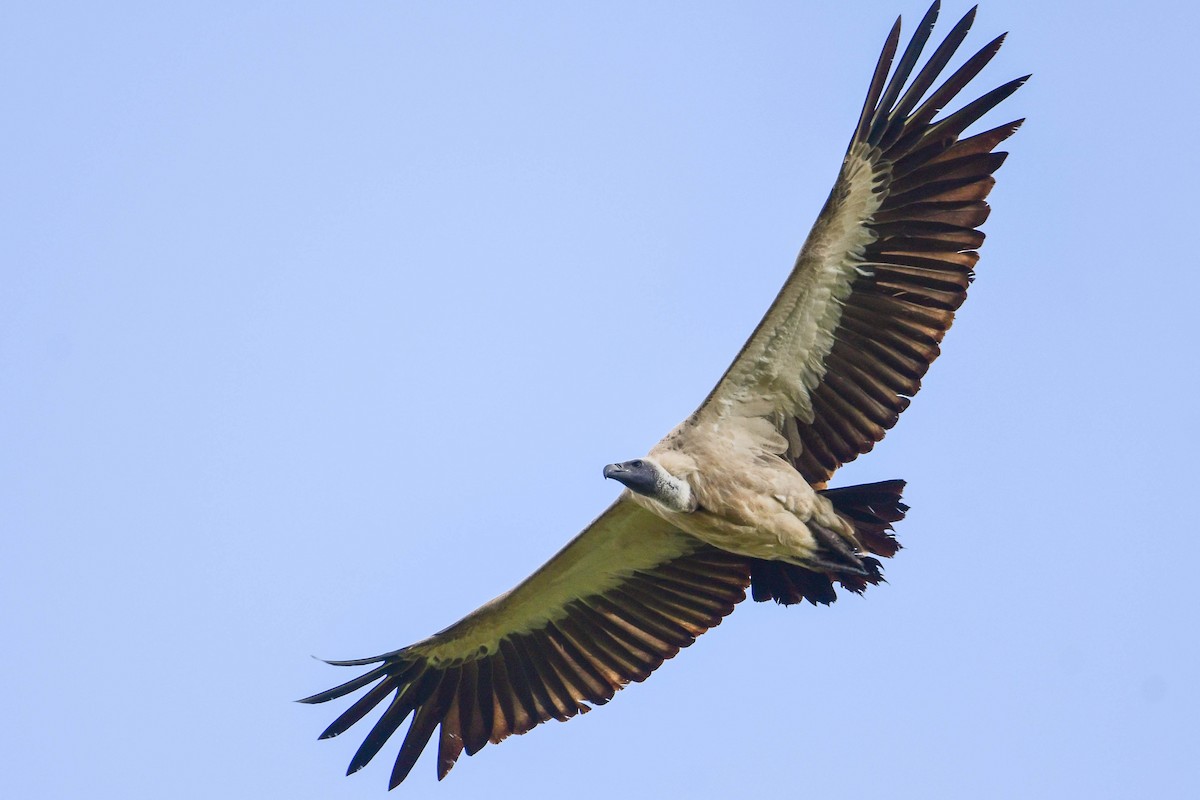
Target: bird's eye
(638, 464)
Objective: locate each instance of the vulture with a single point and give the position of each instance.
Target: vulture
(736, 496)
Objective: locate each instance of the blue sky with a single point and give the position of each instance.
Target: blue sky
(319, 321)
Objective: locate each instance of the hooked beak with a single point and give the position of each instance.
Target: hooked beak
(614, 471)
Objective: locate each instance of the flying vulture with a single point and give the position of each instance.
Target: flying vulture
(736, 496)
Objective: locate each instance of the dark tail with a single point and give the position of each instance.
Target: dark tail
(871, 508)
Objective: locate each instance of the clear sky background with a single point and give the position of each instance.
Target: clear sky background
(319, 321)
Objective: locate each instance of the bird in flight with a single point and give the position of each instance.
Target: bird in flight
(736, 495)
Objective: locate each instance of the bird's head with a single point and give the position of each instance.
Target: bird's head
(648, 478)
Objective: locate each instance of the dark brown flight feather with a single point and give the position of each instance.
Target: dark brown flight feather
(915, 273)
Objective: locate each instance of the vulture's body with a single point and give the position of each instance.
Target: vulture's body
(735, 496)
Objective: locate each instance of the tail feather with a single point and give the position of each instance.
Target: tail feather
(871, 508)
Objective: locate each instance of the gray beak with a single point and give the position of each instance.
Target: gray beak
(638, 475)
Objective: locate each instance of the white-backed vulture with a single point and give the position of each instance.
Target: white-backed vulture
(735, 496)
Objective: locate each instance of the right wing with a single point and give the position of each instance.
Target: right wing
(609, 608)
(861, 317)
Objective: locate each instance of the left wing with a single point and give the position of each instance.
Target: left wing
(888, 261)
(608, 608)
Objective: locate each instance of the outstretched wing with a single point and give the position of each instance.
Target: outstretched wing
(609, 608)
(847, 341)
